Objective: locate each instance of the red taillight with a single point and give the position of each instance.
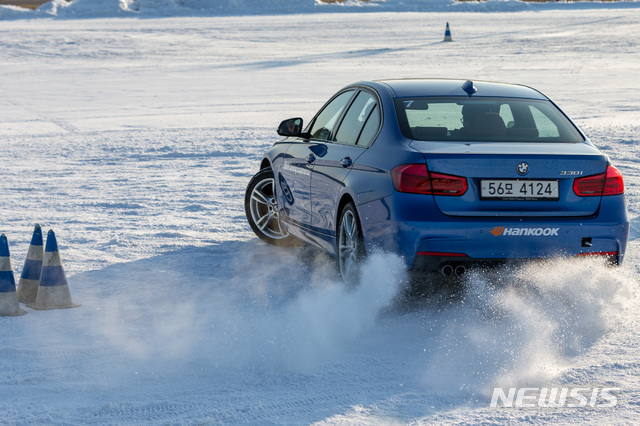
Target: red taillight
(448, 184)
(614, 184)
(412, 178)
(416, 179)
(589, 186)
(607, 183)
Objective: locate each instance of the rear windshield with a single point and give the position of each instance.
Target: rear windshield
(484, 119)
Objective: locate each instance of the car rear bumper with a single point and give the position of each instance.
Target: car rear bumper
(516, 240)
(441, 240)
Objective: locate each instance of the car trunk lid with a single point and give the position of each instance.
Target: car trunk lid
(493, 167)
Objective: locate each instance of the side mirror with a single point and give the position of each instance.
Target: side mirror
(290, 127)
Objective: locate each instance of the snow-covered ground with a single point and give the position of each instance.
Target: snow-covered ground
(133, 137)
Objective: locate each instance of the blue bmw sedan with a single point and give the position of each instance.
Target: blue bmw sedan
(447, 174)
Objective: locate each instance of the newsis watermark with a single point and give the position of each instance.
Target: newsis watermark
(555, 397)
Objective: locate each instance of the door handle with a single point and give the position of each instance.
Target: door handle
(346, 162)
(311, 158)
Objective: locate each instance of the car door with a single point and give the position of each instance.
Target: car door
(294, 175)
(359, 124)
(293, 181)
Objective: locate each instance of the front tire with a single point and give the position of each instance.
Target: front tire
(261, 209)
(351, 252)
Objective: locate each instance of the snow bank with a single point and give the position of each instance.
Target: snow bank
(160, 8)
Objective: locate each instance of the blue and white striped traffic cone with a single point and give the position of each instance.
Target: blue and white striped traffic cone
(53, 291)
(8, 297)
(447, 34)
(30, 278)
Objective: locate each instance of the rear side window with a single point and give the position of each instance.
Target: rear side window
(484, 119)
(357, 118)
(327, 120)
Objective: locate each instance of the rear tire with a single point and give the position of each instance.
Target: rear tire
(351, 252)
(261, 209)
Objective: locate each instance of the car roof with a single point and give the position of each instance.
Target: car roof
(405, 88)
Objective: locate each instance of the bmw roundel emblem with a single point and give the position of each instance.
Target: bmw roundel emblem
(523, 168)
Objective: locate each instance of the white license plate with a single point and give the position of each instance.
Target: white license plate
(519, 189)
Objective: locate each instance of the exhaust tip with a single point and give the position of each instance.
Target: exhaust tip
(460, 270)
(447, 270)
